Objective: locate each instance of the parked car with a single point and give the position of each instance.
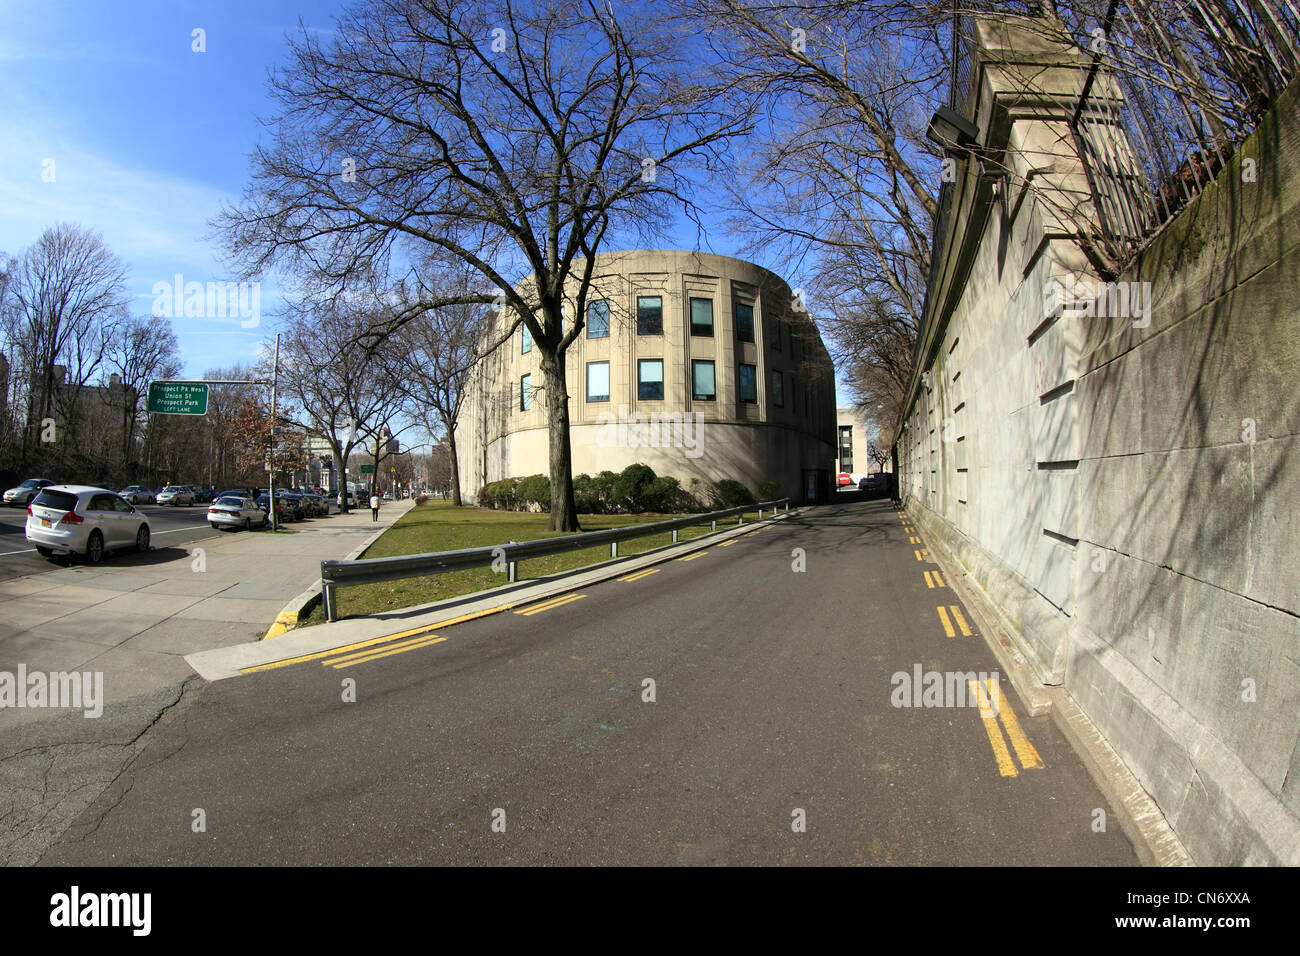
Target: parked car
(176, 495)
(318, 505)
(207, 494)
(296, 502)
(232, 511)
(81, 519)
(22, 496)
(137, 495)
(284, 512)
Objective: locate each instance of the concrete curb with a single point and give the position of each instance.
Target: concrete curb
(1140, 818)
(292, 614)
(226, 662)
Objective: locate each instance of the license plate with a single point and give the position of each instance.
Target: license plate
(45, 522)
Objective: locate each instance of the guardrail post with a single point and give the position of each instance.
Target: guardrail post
(674, 535)
(714, 524)
(740, 518)
(760, 512)
(330, 599)
(613, 549)
(512, 571)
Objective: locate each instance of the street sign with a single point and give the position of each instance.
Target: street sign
(367, 469)
(177, 398)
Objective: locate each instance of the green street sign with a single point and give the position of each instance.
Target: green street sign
(177, 398)
(367, 469)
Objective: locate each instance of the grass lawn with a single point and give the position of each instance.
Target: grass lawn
(437, 526)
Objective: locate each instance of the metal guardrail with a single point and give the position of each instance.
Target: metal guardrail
(336, 574)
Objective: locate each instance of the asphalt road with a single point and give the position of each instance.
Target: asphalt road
(774, 692)
(170, 526)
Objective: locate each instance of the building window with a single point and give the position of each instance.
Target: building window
(703, 388)
(748, 384)
(650, 379)
(598, 320)
(525, 393)
(527, 340)
(649, 315)
(776, 335)
(597, 381)
(702, 317)
(778, 390)
(744, 322)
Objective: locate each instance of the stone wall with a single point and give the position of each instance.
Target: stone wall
(1124, 488)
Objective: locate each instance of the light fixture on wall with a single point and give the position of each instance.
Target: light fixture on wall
(952, 131)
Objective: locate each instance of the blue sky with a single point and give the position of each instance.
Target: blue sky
(147, 137)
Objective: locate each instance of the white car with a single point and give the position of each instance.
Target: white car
(176, 495)
(24, 493)
(232, 512)
(78, 519)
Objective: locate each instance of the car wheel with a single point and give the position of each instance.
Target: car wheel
(248, 524)
(95, 548)
(43, 551)
(214, 526)
(142, 539)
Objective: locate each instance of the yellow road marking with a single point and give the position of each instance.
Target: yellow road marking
(938, 580)
(399, 649)
(1029, 758)
(918, 554)
(639, 575)
(726, 544)
(372, 642)
(551, 605)
(961, 621)
(913, 540)
(947, 624)
(1006, 766)
(692, 557)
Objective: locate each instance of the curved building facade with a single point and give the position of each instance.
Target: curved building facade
(703, 367)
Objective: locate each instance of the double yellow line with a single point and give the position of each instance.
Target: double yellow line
(992, 709)
(956, 615)
(551, 604)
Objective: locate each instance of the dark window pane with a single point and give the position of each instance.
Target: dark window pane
(748, 384)
(649, 315)
(701, 316)
(744, 322)
(525, 393)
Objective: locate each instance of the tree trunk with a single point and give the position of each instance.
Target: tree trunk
(455, 468)
(564, 510)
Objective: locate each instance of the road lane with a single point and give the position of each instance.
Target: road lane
(774, 693)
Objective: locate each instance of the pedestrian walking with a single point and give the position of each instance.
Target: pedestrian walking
(374, 506)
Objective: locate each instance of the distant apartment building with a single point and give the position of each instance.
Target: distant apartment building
(703, 367)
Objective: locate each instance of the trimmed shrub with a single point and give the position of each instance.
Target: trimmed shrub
(632, 489)
(732, 494)
(500, 495)
(534, 492)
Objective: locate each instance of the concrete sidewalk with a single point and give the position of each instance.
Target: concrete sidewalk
(135, 617)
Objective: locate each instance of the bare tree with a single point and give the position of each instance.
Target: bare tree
(333, 387)
(518, 137)
(843, 178)
(434, 356)
(139, 351)
(61, 291)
